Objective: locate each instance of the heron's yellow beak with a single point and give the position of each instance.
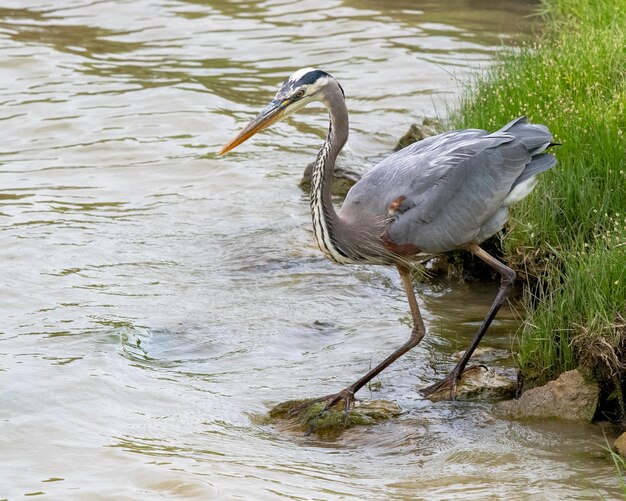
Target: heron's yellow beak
(274, 112)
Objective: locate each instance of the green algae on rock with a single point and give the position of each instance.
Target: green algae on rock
(306, 415)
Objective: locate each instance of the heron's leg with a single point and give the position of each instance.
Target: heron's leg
(417, 334)
(506, 283)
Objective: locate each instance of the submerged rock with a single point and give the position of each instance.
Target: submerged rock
(306, 415)
(620, 445)
(479, 383)
(343, 179)
(569, 397)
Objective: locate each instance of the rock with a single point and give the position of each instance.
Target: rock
(570, 397)
(429, 127)
(304, 415)
(343, 179)
(484, 354)
(620, 445)
(479, 383)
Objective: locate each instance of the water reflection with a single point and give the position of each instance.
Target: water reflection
(156, 297)
(32, 27)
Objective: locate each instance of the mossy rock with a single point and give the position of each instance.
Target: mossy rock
(306, 415)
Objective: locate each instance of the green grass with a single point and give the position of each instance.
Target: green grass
(568, 239)
(620, 467)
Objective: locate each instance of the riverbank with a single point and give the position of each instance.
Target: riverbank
(568, 239)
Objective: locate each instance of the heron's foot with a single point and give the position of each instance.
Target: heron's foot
(449, 382)
(343, 399)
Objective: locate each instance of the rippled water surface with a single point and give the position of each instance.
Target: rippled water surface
(156, 296)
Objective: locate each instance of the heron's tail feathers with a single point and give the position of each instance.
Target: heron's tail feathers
(526, 181)
(535, 137)
(537, 165)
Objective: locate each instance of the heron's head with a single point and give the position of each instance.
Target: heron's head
(301, 88)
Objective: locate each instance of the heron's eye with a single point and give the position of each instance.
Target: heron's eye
(299, 94)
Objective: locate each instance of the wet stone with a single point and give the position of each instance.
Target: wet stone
(484, 354)
(569, 397)
(479, 383)
(620, 445)
(417, 132)
(343, 178)
(304, 415)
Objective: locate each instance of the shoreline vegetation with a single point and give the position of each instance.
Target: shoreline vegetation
(567, 240)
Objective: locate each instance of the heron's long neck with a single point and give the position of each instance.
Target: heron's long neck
(325, 219)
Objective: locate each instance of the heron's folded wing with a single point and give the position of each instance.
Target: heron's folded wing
(475, 178)
(407, 172)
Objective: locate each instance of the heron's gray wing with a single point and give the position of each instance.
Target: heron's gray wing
(448, 139)
(475, 179)
(411, 170)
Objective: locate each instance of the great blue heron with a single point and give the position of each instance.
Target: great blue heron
(446, 192)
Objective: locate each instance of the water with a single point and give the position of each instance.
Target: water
(155, 297)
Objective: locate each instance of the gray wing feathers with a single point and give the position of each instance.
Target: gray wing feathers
(408, 172)
(449, 190)
(433, 142)
(451, 212)
(458, 171)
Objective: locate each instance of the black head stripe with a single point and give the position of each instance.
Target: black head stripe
(310, 77)
(307, 79)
